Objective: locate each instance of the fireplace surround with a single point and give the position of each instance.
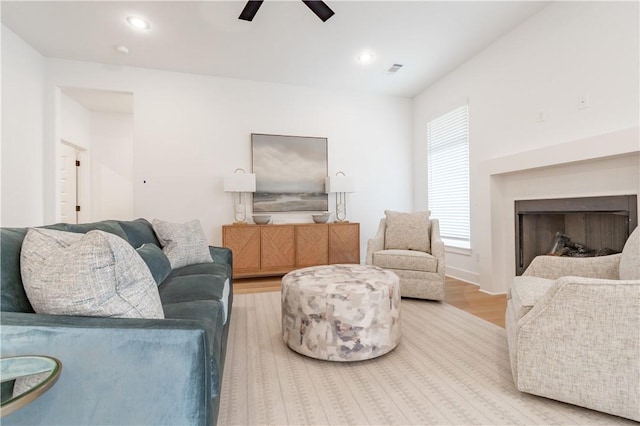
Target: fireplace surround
(596, 222)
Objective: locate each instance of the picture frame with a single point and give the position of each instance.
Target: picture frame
(290, 173)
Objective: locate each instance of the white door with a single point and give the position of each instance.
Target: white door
(67, 172)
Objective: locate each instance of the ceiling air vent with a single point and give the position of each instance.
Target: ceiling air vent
(394, 68)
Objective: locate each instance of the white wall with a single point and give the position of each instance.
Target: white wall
(22, 120)
(111, 166)
(568, 50)
(192, 130)
(75, 123)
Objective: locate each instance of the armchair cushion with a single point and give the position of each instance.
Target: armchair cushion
(183, 243)
(93, 274)
(405, 259)
(407, 231)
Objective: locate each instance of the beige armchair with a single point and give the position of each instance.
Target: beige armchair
(409, 244)
(573, 329)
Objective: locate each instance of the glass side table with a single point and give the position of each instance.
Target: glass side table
(32, 376)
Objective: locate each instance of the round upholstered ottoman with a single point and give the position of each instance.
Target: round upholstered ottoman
(341, 312)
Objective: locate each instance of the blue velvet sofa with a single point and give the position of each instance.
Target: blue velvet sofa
(119, 370)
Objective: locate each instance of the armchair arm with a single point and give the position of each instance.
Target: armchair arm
(114, 371)
(437, 246)
(554, 267)
(376, 243)
(581, 344)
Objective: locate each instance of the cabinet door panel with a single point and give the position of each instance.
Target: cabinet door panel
(278, 246)
(312, 242)
(244, 242)
(344, 243)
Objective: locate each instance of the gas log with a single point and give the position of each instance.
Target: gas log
(563, 246)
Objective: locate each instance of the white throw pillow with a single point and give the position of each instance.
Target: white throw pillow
(183, 243)
(94, 274)
(407, 231)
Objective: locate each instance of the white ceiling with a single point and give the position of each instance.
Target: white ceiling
(285, 43)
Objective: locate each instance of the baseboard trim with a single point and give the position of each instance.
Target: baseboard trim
(493, 294)
(469, 277)
(463, 275)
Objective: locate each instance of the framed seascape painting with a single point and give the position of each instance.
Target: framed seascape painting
(290, 173)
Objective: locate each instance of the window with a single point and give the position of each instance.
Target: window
(448, 161)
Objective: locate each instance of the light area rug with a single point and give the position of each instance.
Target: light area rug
(451, 368)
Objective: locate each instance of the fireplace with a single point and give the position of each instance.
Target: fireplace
(599, 225)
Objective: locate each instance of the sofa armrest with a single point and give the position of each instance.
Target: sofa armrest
(581, 344)
(554, 267)
(376, 243)
(114, 371)
(221, 255)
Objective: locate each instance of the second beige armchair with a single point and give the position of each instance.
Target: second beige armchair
(409, 244)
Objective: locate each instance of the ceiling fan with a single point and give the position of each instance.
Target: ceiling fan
(318, 7)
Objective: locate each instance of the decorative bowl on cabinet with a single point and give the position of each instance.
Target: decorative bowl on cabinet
(321, 218)
(261, 219)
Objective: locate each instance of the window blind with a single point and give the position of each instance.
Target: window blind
(448, 162)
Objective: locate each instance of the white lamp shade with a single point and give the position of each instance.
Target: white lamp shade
(240, 182)
(340, 184)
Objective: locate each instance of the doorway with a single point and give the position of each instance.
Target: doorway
(68, 164)
(96, 132)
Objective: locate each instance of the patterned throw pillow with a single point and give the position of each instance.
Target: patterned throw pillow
(183, 243)
(94, 274)
(407, 231)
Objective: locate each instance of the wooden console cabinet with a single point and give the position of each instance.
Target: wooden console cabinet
(263, 250)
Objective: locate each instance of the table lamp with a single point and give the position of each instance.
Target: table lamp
(340, 184)
(240, 182)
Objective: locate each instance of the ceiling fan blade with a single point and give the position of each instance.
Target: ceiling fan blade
(319, 8)
(250, 10)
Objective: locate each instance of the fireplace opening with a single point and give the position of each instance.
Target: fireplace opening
(580, 227)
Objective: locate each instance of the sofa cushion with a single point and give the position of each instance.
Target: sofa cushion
(183, 243)
(407, 231)
(630, 258)
(139, 232)
(188, 288)
(526, 292)
(157, 262)
(202, 268)
(110, 226)
(93, 274)
(12, 295)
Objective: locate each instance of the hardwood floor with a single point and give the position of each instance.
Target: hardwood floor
(469, 298)
(460, 294)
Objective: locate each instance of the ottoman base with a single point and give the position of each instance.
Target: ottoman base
(341, 312)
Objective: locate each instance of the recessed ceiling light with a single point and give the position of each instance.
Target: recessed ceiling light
(365, 57)
(138, 22)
